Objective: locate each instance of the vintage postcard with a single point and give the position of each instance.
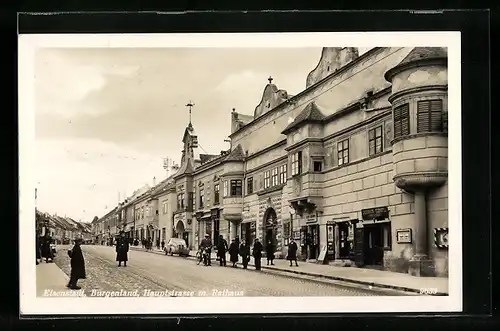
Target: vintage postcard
(240, 173)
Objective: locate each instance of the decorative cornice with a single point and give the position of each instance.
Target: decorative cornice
(233, 217)
(232, 173)
(304, 142)
(412, 182)
(270, 190)
(417, 89)
(389, 75)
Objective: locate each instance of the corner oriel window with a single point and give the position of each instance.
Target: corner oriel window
(297, 163)
(236, 188)
(226, 189)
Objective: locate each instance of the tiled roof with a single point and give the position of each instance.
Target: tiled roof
(311, 113)
(207, 157)
(419, 53)
(236, 154)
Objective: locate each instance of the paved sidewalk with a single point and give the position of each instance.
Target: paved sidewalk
(363, 276)
(50, 277)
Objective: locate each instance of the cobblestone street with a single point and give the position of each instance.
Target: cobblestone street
(149, 271)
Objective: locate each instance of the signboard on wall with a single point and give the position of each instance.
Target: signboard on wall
(378, 213)
(441, 237)
(403, 236)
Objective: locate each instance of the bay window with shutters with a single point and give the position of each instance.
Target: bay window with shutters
(401, 120)
(430, 116)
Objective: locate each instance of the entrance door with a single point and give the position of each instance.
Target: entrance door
(185, 236)
(313, 242)
(303, 242)
(373, 245)
(359, 247)
(343, 241)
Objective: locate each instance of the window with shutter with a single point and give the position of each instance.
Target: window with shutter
(401, 121)
(429, 116)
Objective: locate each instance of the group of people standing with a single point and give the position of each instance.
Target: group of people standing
(43, 249)
(237, 249)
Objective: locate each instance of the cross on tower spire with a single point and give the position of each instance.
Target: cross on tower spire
(190, 105)
(270, 79)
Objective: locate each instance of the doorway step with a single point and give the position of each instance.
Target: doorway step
(342, 263)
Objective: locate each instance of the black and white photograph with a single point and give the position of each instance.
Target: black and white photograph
(240, 173)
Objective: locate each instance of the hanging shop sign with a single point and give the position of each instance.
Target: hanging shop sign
(378, 213)
(311, 218)
(403, 236)
(441, 237)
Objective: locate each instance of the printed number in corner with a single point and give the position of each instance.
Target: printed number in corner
(428, 290)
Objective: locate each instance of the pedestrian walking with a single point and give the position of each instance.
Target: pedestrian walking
(221, 250)
(233, 252)
(270, 252)
(77, 265)
(157, 243)
(163, 245)
(122, 248)
(292, 252)
(257, 253)
(244, 253)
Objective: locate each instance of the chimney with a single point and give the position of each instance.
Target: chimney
(154, 181)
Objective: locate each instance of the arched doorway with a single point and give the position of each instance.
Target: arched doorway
(180, 231)
(270, 227)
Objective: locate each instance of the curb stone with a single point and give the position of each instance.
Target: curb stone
(343, 279)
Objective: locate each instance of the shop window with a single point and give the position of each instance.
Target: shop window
(216, 194)
(387, 236)
(401, 121)
(283, 174)
(429, 116)
(236, 188)
(343, 152)
(375, 140)
(267, 179)
(274, 177)
(297, 163)
(317, 166)
(250, 185)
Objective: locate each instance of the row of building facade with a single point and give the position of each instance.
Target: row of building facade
(354, 168)
(63, 230)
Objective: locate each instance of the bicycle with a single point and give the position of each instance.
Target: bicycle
(199, 257)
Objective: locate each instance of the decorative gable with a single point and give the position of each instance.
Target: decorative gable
(271, 98)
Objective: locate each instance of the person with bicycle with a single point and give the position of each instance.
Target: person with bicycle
(206, 250)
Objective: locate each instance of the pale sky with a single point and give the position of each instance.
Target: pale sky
(105, 118)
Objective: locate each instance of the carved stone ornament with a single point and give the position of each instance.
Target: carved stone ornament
(415, 182)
